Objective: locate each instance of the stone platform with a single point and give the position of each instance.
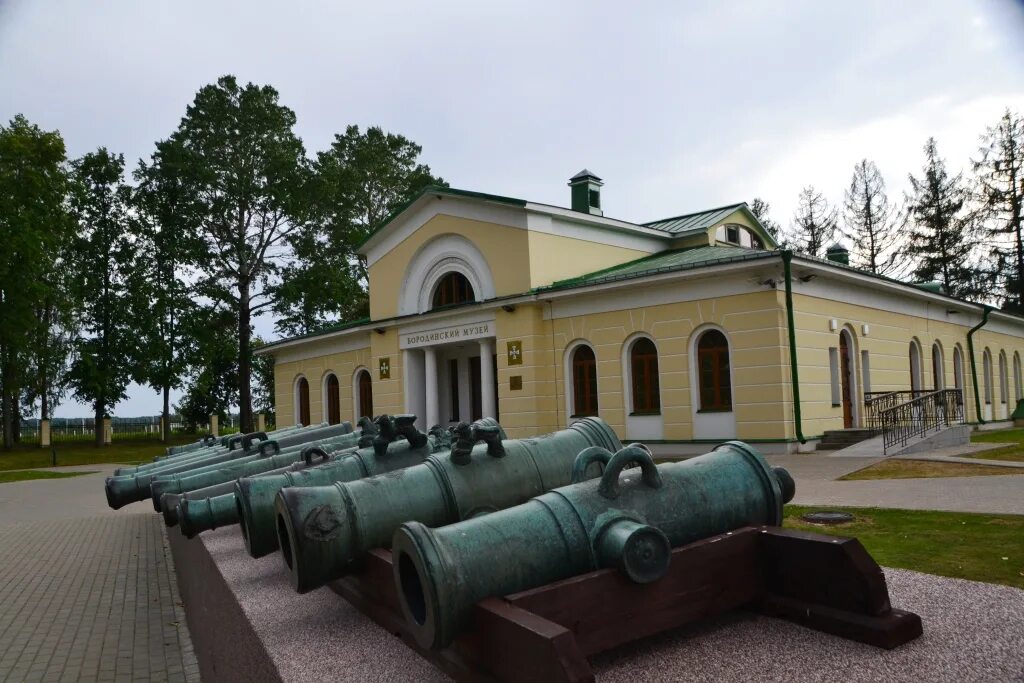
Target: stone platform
(248, 624)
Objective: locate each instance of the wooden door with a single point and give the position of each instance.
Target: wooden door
(844, 378)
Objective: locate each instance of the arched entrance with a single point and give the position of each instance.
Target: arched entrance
(302, 402)
(846, 378)
(915, 366)
(938, 372)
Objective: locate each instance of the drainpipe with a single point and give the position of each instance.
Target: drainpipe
(787, 258)
(974, 368)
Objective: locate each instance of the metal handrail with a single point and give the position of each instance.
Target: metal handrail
(929, 411)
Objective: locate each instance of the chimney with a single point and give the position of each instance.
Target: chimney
(586, 193)
(838, 253)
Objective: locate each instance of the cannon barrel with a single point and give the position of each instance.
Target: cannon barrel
(255, 497)
(209, 475)
(131, 488)
(236, 442)
(325, 531)
(204, 451)
(215, 506)
(169, 502)
(630, 523)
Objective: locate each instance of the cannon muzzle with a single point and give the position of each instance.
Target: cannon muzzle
(326, 531)
(621, 521)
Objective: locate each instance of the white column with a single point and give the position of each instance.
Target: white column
(430, 386)
(413, 371)
(487, 398)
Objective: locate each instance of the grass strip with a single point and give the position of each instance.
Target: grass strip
(979, 547)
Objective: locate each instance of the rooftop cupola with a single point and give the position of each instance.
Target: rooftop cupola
(586, 193)
(838, 253)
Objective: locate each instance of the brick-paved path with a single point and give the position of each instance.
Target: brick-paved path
(91, 599)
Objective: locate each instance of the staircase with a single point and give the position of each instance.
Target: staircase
(837, 439)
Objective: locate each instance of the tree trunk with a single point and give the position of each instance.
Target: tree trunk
(166, 435)
(244, 359)
(98, 427)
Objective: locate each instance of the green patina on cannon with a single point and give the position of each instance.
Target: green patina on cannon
(326, 531)
(625, 520)
(169, 501)
(255, 497)
(121, 490)
(210, 475)
(214, 506)
(216, 445)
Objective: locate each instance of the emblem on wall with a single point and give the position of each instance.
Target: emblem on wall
(515, 352)
(385, 368)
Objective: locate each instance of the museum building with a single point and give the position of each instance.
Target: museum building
(680, 331)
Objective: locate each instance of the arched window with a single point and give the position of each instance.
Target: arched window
(332, 399)
(986, 366)
(958, 370)
(452, 289)
(1004, 384)
(938, 375)
(1016, 377)
(643, 368)
(915, 366)
(302, 401)
(584, 382)
(713, 370)
(364, 395)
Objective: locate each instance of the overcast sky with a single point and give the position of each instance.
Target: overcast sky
(678, 106)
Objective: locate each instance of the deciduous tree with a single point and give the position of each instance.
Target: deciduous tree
(872, 222)
(106, 349)
(814, 223)
(34, 225)
(357, 183)
(762, 209)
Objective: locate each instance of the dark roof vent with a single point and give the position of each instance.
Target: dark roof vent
(838, 253)
(586, 193)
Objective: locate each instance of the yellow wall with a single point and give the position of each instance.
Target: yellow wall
(754, 325)
(316, 370)
(533, 410)
(505, 249)
(888, 345)
(555, 257)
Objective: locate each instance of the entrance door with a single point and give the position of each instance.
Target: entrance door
(476, 398)
(844, 377)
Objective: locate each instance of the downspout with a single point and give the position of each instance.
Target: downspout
(787, 258)
(974, 368)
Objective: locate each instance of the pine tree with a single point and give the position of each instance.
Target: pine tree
(872, 222)
(760, 208)
(940, 237)
(999, 178)
(814, 223)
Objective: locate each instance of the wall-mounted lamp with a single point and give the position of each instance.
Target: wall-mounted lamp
(508, 308)
(380, 330)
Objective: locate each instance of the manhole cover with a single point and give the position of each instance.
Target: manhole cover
(828, 517)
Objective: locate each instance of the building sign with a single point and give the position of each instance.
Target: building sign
(448, 335)
(515, 352)
(385, 368)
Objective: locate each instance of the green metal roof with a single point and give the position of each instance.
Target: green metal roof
(663, 262)
(694, 222)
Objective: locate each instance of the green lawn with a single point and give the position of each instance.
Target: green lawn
(25, 475)
(1014, 452)
(125, 452)
(924, 469)
(986, 548)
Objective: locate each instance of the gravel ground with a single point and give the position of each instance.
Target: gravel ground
(972, 632)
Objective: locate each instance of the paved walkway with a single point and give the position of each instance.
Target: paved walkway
(87, 593)
(816, 474)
